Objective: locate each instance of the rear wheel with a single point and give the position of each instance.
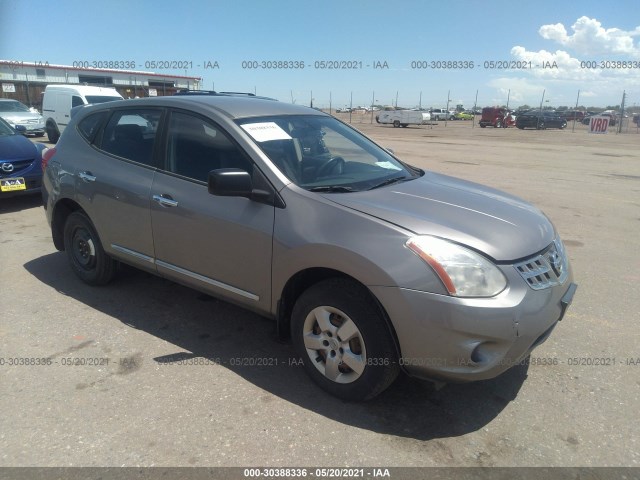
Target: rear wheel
(343, 340)
(541, 126)
(86, 256)
(396, 123)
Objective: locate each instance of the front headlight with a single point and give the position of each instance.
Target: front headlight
(463, 272)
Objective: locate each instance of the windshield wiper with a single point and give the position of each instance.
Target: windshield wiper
(332, 189)
(389, 181)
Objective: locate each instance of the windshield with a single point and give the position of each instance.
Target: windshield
(101, 99)
(319, 153)
(6, 129)
(13, 106)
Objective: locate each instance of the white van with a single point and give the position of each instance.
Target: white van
(58, 101)
(402, 118)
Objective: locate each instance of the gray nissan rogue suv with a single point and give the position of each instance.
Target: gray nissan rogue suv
(372, 265)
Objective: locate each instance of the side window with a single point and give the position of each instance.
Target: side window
(131, 133)
(76, 101)
(196, 146)
(89, 125)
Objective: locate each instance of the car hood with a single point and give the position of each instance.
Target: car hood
(21, 116)
(500, 225)
(16, 147)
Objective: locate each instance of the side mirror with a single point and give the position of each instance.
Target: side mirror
(230, 182)
(20, 128)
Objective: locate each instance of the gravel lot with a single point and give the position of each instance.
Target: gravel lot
(144, 372)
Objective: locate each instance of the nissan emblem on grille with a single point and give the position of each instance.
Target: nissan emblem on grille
(545, 270)
(7, 167)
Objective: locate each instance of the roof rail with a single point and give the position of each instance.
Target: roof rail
(220, 94)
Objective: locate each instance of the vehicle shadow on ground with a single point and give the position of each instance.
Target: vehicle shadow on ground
(19, 203)
(204, 327)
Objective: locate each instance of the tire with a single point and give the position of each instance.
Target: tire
(52, 134)
(323, 313)
(563, 125)
(482, 125)
(541, 126)
(405, 125)
(86, 256)
(396, 123)
(498, 124)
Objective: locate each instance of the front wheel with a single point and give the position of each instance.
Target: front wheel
(52, 133)
(86, 256)
(498, 124)
(396, 123)
(343, 340)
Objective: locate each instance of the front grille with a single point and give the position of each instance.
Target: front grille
(547, 269)
(18, 166)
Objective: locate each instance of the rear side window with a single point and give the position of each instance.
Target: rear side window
(89, 126)
(76, 101)
(131, 133)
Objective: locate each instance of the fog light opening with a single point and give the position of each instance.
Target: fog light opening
(478, 356)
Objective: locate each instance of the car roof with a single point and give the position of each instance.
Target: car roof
(232, 106)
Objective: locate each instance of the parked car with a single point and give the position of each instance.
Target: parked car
(17, 113)
(498, 117)
(540, 121)
(59, 100)
(441, 114)
(571, 115)
(20, 162)
(612, 118)
(371, 265)
(403, 118)
(463, 116)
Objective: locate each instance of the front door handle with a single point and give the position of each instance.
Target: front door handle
(87, 177)
(165, 200)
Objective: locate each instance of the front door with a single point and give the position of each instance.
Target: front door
(218, 244)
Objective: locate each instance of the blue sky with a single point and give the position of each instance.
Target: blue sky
(396, 32)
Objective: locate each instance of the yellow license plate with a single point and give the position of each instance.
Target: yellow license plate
(12, 184)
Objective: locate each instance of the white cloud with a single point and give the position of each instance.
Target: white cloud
(519, 90)
(555, 65)
(591, 38)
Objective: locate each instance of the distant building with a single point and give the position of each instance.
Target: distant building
(25, 81)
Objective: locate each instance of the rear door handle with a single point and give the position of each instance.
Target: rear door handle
(165, 200)
(87, 177)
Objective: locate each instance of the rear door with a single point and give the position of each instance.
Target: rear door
(222, 245)
(113, 182)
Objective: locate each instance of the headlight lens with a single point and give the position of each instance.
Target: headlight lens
(463, 272)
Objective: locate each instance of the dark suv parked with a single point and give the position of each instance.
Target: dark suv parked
(371, 265)
(540, 120)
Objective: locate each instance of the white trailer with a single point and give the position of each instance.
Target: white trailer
(403, 118)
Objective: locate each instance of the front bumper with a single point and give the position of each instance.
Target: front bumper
(466, 339)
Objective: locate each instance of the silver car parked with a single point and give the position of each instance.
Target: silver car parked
(371, 265)
(17, 113)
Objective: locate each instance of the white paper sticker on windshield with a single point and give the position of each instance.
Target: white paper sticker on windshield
(388, 165)
(263, 132)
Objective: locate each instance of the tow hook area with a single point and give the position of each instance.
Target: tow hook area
(567, 298)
